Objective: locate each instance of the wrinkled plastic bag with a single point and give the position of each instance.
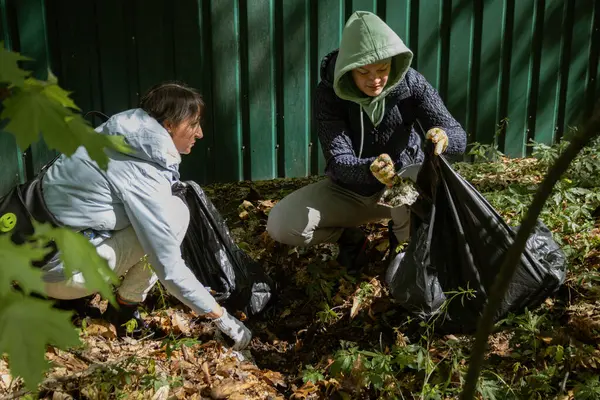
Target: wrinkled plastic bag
(458, 241)
(232, 276)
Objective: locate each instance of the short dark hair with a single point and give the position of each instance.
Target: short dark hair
(172, 101)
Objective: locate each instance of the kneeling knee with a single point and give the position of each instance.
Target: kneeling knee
(281, 229)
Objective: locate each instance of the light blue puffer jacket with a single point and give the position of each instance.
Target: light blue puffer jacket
(134, 190)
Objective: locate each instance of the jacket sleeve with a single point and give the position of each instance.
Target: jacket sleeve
(432, 112)
(146, 197)
(341, 160)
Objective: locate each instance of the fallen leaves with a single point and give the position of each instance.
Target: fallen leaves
(228, 387)
(100, 327)
(364, 296)
(584, 321)
(186, 363)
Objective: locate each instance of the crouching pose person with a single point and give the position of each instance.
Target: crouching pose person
(128, 211)
(369, 107)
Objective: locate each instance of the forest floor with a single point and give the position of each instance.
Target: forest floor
(329, 335)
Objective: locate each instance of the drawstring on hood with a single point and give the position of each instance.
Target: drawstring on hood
(362, 131)
(367, 40)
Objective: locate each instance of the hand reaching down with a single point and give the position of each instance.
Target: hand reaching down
(235, 329)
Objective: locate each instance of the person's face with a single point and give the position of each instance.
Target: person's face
(185, 134)
(372, 78)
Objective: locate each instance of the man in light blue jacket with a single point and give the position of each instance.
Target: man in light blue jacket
(128, 210)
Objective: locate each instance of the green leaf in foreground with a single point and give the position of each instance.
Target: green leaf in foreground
(53, 91)
(42, 107)
(79, 255)
(9, 68)
(94, 142)
(16, 266)
(44, 325)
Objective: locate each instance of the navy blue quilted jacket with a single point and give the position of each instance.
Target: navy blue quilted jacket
(413, 101)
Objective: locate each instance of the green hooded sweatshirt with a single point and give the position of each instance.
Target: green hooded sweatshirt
(367, 40)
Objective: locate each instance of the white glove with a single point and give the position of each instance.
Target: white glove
(235, 329)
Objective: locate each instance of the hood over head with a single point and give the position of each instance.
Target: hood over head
(366, 39)
(149, 140)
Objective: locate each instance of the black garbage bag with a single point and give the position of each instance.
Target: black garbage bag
(234, 278)
(459, 241)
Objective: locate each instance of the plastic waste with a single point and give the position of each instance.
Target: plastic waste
(458, 242)
(232, 276)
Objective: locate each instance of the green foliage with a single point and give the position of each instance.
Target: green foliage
(27, 325)
(19, 269)
(327, 315)
(392, 371)
(75, 248)
(171, 344)
(485, 152)
(584, 170)
(365, 292)
(9, 68)
(35, 106)
(489, 152)
(310, 374)
(321, 281)
(42, 106)
(588, 390)
(527, 328)
(488, 389)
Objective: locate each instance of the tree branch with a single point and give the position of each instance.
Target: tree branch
(511, 260)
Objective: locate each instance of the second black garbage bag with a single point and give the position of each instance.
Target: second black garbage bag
(458, 242)
(232, 276)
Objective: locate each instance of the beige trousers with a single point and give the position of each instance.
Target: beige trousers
(124, 254)
(319, 212)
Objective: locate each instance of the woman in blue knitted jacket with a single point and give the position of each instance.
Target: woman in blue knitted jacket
(369, 106)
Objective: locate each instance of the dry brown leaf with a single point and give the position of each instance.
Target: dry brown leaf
(6, 380)
(237, 396)
(61, 396)
(246, 205)
(382, 246)
(181, 324)
(228, 387)
(99, 327)
(162, 393)
(285, 313)
(546, 340)
(274, 378)
(191, 388)
(266, 206)
(355, 307)
(227, 368)
(241, 316)
(244, 215)
(305, 391)
(188, 354)
(181, 365)
(206, 373)
(66, 359)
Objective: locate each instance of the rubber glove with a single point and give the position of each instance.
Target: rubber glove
(439, 138)
(383, 169)
(235, 329)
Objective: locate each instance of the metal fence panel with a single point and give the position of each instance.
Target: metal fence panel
(11, 159)
(533, 63)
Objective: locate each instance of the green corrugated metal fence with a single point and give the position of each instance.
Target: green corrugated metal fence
(532, 62)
